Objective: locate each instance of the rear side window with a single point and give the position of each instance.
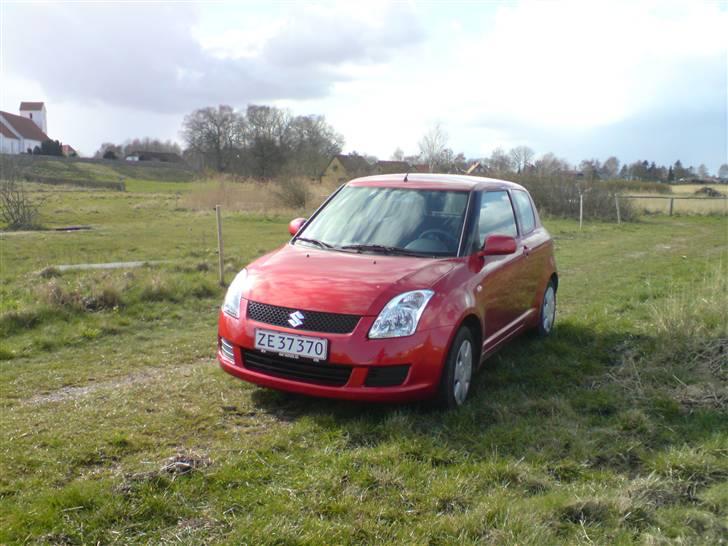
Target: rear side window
(495, 216)
(525, 211)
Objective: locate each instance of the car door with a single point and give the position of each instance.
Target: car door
(498, 290)
(532, 240)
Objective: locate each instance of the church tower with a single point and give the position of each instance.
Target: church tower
(35, 111)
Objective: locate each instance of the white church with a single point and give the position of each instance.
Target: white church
(20, 134)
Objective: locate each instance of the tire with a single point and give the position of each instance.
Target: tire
(547, 313)
(457, 374)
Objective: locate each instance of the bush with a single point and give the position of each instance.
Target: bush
(292, 192)
(560, 197)
(624, 186)
(17, 209)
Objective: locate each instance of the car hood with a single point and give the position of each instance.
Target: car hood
(301, 277)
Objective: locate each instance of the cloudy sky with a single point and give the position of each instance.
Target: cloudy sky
(581, 79)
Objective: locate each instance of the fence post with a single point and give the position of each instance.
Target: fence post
(616, 202)
(581, 209)
(221, 261)
(672, 201)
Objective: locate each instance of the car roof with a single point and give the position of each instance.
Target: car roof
(434, 181)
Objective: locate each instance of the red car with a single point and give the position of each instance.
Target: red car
(396, 289)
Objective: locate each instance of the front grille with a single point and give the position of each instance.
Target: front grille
(386, 376)
(313, 321)
(320, 373)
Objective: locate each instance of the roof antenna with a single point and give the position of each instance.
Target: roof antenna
(405, 177)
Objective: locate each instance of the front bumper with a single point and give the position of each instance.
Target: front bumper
(423, 352)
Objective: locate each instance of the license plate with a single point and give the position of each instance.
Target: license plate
(291, 345)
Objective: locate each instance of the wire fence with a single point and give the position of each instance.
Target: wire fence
(678, 204)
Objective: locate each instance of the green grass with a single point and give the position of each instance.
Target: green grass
(612, 431)
(137, 176)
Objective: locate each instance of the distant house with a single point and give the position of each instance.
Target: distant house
(391, 167)
(476, 168)
(343, 168)
(166, 157)
(68, 151)
(21, 134)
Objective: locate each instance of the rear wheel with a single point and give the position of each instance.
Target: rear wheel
(457, 374)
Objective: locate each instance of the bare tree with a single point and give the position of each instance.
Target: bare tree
(17, 209)
(499, 162)
(723, 171)
(433, 146)
(398, 155)
(703, 171)
(108, 148)
(610, 167)
(521, 157)
(590, 168)
(213, 131)
(549, 165)
(312, 142)
(147, 144)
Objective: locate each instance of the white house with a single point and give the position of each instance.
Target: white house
(20, 134)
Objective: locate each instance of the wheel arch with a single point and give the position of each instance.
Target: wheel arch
(555, 279)
(472, 323)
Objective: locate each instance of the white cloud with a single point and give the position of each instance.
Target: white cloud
(538, 73)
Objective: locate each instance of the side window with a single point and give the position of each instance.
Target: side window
(525, 211)
(495, 216)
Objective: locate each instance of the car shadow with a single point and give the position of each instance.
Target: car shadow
(553, 397)
(538, 368)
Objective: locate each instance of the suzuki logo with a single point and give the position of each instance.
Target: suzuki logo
(295, 319)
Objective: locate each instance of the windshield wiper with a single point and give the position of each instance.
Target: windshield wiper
(383, 249)
(315, 242)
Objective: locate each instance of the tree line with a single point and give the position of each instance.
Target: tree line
(266, 141)
(109, 150)
(522, 160)
(261, 142)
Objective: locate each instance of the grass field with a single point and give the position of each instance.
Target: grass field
(614, 430)
(656, 205)
(137, 176)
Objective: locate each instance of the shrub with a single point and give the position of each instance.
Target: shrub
(17, 209)
(93, 297)
(292, 192)
(159, 289)
(624, 186)
(560, 197)
(49, 272)
(56, 294)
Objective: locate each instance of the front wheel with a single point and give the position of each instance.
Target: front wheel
(547, 316)
(457, 374)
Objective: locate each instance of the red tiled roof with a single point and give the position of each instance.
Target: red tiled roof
(4, 131)
(353, 163)
(26, 127)
(33, 106)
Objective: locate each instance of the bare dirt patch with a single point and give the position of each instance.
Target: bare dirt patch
(139, 378)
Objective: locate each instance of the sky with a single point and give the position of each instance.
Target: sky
(582, 79)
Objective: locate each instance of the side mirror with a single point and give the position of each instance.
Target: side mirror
(498, 245)
(295, 225)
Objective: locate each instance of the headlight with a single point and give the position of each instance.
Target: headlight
(401, 315)
(231, 305)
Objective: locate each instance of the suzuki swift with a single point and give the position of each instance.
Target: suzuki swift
(397, 288)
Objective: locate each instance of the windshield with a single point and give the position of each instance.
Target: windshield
(371, 219)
